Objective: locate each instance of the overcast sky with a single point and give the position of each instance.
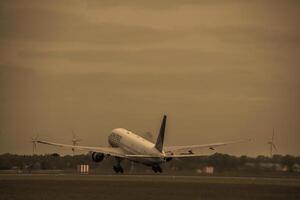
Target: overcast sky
(220, 70)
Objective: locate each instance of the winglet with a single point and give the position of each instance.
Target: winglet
(160, 139)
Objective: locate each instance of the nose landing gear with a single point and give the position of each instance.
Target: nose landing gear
(157, 168)
(118, 169)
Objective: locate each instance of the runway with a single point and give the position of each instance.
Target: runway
(88, 187)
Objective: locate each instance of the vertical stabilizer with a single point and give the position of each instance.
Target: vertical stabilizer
(160, 139)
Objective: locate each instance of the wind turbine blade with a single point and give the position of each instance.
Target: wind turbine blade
(73, 135)
(273, 135)
(274, 146)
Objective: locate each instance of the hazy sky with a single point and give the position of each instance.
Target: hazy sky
(220, 70)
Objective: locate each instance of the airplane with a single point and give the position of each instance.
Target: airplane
(125, 144)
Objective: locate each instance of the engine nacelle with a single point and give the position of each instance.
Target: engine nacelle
(97, 157)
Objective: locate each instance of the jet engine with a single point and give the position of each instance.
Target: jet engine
(97, 157)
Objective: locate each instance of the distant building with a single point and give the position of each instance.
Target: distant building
(274, 166)
(16, 169)
(208, 170)
(205, 170)
(296, 168)
(83, 169)
(265, 166)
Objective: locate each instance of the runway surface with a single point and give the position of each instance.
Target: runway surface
(88, 187)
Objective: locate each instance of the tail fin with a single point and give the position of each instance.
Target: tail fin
(160, 139)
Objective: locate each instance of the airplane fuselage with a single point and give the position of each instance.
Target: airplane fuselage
(132, 143)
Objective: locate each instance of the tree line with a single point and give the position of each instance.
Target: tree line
(220, 162)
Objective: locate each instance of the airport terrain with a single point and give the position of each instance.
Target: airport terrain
(92, 187)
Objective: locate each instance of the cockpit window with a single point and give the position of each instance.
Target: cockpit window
(114, 139)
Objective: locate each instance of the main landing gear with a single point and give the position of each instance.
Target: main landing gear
(157, 168)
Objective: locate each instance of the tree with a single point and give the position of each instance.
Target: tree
(288, 161)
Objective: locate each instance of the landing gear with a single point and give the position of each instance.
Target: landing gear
(157, 168)
(118, 169)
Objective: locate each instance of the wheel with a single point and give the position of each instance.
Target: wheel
(159, 169)
(121, 170)
(154, 169)
(116, 169)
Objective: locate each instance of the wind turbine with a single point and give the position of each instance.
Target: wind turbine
(34, 144)
(272, 144)
(75, 141)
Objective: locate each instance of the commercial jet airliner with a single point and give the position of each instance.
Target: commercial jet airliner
(125, 144)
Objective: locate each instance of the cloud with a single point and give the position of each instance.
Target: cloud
(154, 4)
(96, 65)
(156, 59)
(42, 24)
(242, 34)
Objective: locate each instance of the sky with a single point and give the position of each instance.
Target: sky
(220, 70)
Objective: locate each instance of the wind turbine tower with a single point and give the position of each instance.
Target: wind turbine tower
(272, 144)
(75, 141)
(34, 146)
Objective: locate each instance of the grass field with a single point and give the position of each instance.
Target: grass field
(61, 187)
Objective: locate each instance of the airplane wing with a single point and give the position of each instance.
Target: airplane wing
(113, 151)
(190, 148)
(166, 156)
(171, 151)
